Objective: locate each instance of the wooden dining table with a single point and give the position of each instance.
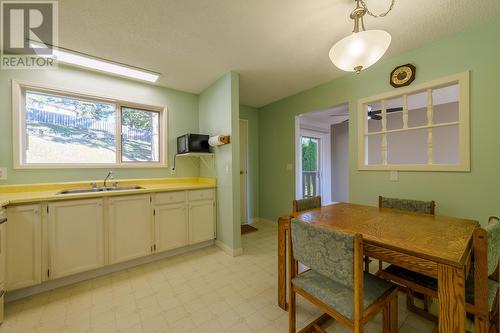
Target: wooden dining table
(436, 246)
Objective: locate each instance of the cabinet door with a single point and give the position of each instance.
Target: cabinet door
(171, 226)
(76, 240)
(3, 249)
(130, 227)
(24, 247)
(201, 221)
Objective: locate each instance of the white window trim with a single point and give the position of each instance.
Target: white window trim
(464, 126)
(18, 126)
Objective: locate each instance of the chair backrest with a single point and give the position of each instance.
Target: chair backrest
(493, 237)
(486, 248)
(306, 204)
(326, 251)
(417, 206)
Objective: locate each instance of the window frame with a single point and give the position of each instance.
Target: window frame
(19, 89)
(462, 79)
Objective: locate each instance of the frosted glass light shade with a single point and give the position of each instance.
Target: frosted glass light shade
(362, 48)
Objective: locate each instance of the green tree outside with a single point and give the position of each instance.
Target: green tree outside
(309, 154)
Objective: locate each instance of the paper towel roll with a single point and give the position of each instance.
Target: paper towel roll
(218, 140)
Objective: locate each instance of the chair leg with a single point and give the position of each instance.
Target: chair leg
(291, 311)
(410, 298)
(367, 264)
(481, 324)
(390, 315)
(427, 301)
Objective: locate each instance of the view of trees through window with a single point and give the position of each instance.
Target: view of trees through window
(67, 130)
(310, 181)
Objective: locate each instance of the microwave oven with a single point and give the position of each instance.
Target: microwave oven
(192, 143)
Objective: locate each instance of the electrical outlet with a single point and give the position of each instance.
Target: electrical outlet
(3, 173)
(394, 176)
(289, 167)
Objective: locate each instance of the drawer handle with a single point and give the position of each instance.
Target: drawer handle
(2, 221)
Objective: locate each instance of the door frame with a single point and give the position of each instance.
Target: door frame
(325, 159)
(245, 214)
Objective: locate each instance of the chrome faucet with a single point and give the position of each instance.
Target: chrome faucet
(109, 176)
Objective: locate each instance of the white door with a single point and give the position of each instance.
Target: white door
(76, 237)
(24, 246)
(201, 221)
(244, 170)
(130, 227)
(171, 226)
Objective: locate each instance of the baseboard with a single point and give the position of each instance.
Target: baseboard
(228, 250)
(253, 220)
(65, 281)
(261, 219)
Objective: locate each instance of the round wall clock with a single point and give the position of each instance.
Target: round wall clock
(402, 75)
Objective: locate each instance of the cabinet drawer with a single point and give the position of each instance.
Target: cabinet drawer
(170, 197)
(201, 195)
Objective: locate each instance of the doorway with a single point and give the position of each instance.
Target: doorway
(244, 197)
(322, 154)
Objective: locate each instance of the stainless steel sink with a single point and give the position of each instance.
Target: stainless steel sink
(100, 189)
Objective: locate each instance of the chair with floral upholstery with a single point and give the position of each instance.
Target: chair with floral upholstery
(416, 206)
(303, 205)
(481, 285)
(336, 283)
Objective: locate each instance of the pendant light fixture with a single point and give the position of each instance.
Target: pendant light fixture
(363, 47)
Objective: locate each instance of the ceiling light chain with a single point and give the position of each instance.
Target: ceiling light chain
(378, 15)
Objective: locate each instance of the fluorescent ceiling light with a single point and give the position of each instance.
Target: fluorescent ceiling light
(83, 60)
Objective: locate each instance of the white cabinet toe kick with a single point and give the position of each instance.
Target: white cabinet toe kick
(52, 244)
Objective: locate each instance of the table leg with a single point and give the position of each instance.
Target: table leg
(283, 225)
(451, 295)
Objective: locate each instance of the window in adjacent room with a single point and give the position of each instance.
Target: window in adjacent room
(422, 128)
(59, 129)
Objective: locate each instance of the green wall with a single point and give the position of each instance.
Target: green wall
(219, 114)
(471, 195)
(182, 118)
(252, 115)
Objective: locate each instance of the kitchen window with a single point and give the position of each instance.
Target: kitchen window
(421, 128)
(56, 128)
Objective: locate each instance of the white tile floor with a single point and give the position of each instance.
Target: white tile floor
(203, 291)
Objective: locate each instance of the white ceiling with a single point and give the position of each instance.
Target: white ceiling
(279, 47)
(334, 115)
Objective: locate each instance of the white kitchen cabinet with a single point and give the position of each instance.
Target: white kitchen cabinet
(171, 226)
(76, 237)
(24, 247)
(201, 221)
(130, 227)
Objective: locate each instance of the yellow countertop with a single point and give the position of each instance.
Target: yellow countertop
(31, 193)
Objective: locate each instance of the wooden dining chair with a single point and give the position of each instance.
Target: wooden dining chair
(416, 206)
(336, 283)
(298, 206)
(481, 285)
(302, 205)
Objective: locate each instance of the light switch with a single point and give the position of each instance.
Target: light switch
(394, 176)
(289, 167)
(3, 173)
